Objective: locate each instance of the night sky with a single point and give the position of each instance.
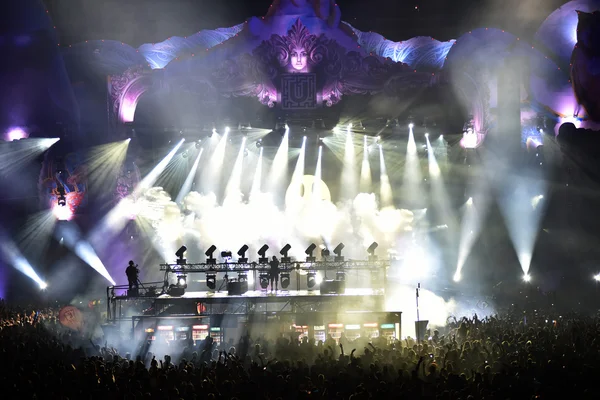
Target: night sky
(148, 21)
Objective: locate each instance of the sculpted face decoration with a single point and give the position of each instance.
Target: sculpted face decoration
(300, 47)
(299, 59)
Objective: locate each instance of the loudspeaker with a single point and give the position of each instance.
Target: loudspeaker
(235, 288)
(176, 291)
(332, 287)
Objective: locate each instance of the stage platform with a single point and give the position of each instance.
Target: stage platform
(280, 295)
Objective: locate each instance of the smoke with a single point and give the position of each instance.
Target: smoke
(200, 221)
(432, 308)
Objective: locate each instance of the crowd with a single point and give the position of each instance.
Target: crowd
(501, 357)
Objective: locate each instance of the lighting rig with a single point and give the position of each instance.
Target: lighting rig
(242, 267)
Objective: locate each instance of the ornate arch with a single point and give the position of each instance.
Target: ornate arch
(125, 91)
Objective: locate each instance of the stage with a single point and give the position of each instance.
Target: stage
(280, 295)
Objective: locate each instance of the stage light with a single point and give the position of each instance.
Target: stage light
(184, 154)
(325, 253)
(426, 134)
(198, 144)
(284, 253)
(179, 254)
(597, 277)
(43, 285)
(470, 201)
(62, 200)
(285, 280)
(340, 276)
(182, 281)
(259, 143)
(371, 249)
(457, 277)
(411, 125)
(263, 254)
(209, 254)
(527, 278)
(211, 280)
(309, 252)
(226, 130)
(212, 133)
(226, 255)
(338, 252)
(263, 278)
(243, 276)
(311, 279)
(242, 254)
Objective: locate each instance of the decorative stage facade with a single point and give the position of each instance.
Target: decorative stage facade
(301, 56)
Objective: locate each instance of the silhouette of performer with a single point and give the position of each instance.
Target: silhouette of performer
(274, 273)
(132, 273)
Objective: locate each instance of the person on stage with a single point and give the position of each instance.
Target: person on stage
(274, 273)
(132, 273)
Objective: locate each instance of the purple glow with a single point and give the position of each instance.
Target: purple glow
(16, 134)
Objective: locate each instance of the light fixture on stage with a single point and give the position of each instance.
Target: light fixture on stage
(179, 253)
(198, 144)
(371, 251)
(325, 253)
(242, 254)
(209, 255)
(185, 154)
(62, 200)
(340, 276)
(338, 252)
(182, 281)
(264, 280)
(309, 253)
(242, 276)
(212, 132)
(285, 280)
(259, 143)
(284, 254)
(311, 279)
(211, 280)
(263, 254)
(226, 255)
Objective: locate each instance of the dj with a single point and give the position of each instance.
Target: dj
(132, 273)
(274, 273)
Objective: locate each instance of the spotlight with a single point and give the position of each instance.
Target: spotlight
(527, 278)
(325, 253)
(284, 254)
(371, 250)
(43, 285)
(264, 280)
(259, 143)
(62, 200)
(309, 253)
(457, 277)
(411, 125)
(263, 255)
(211, 280)
(340, 276)
(285, 279)
(212, 132)
(311, 279)
(338, 252)
(597, 277)
(426, 134)
(226, 255)
(209, 255)
(182, 281)
(179, 253)
(226, 130)
(470, 201)
(242, 254)
(243, 276)
(198, 144)
(184, 154)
